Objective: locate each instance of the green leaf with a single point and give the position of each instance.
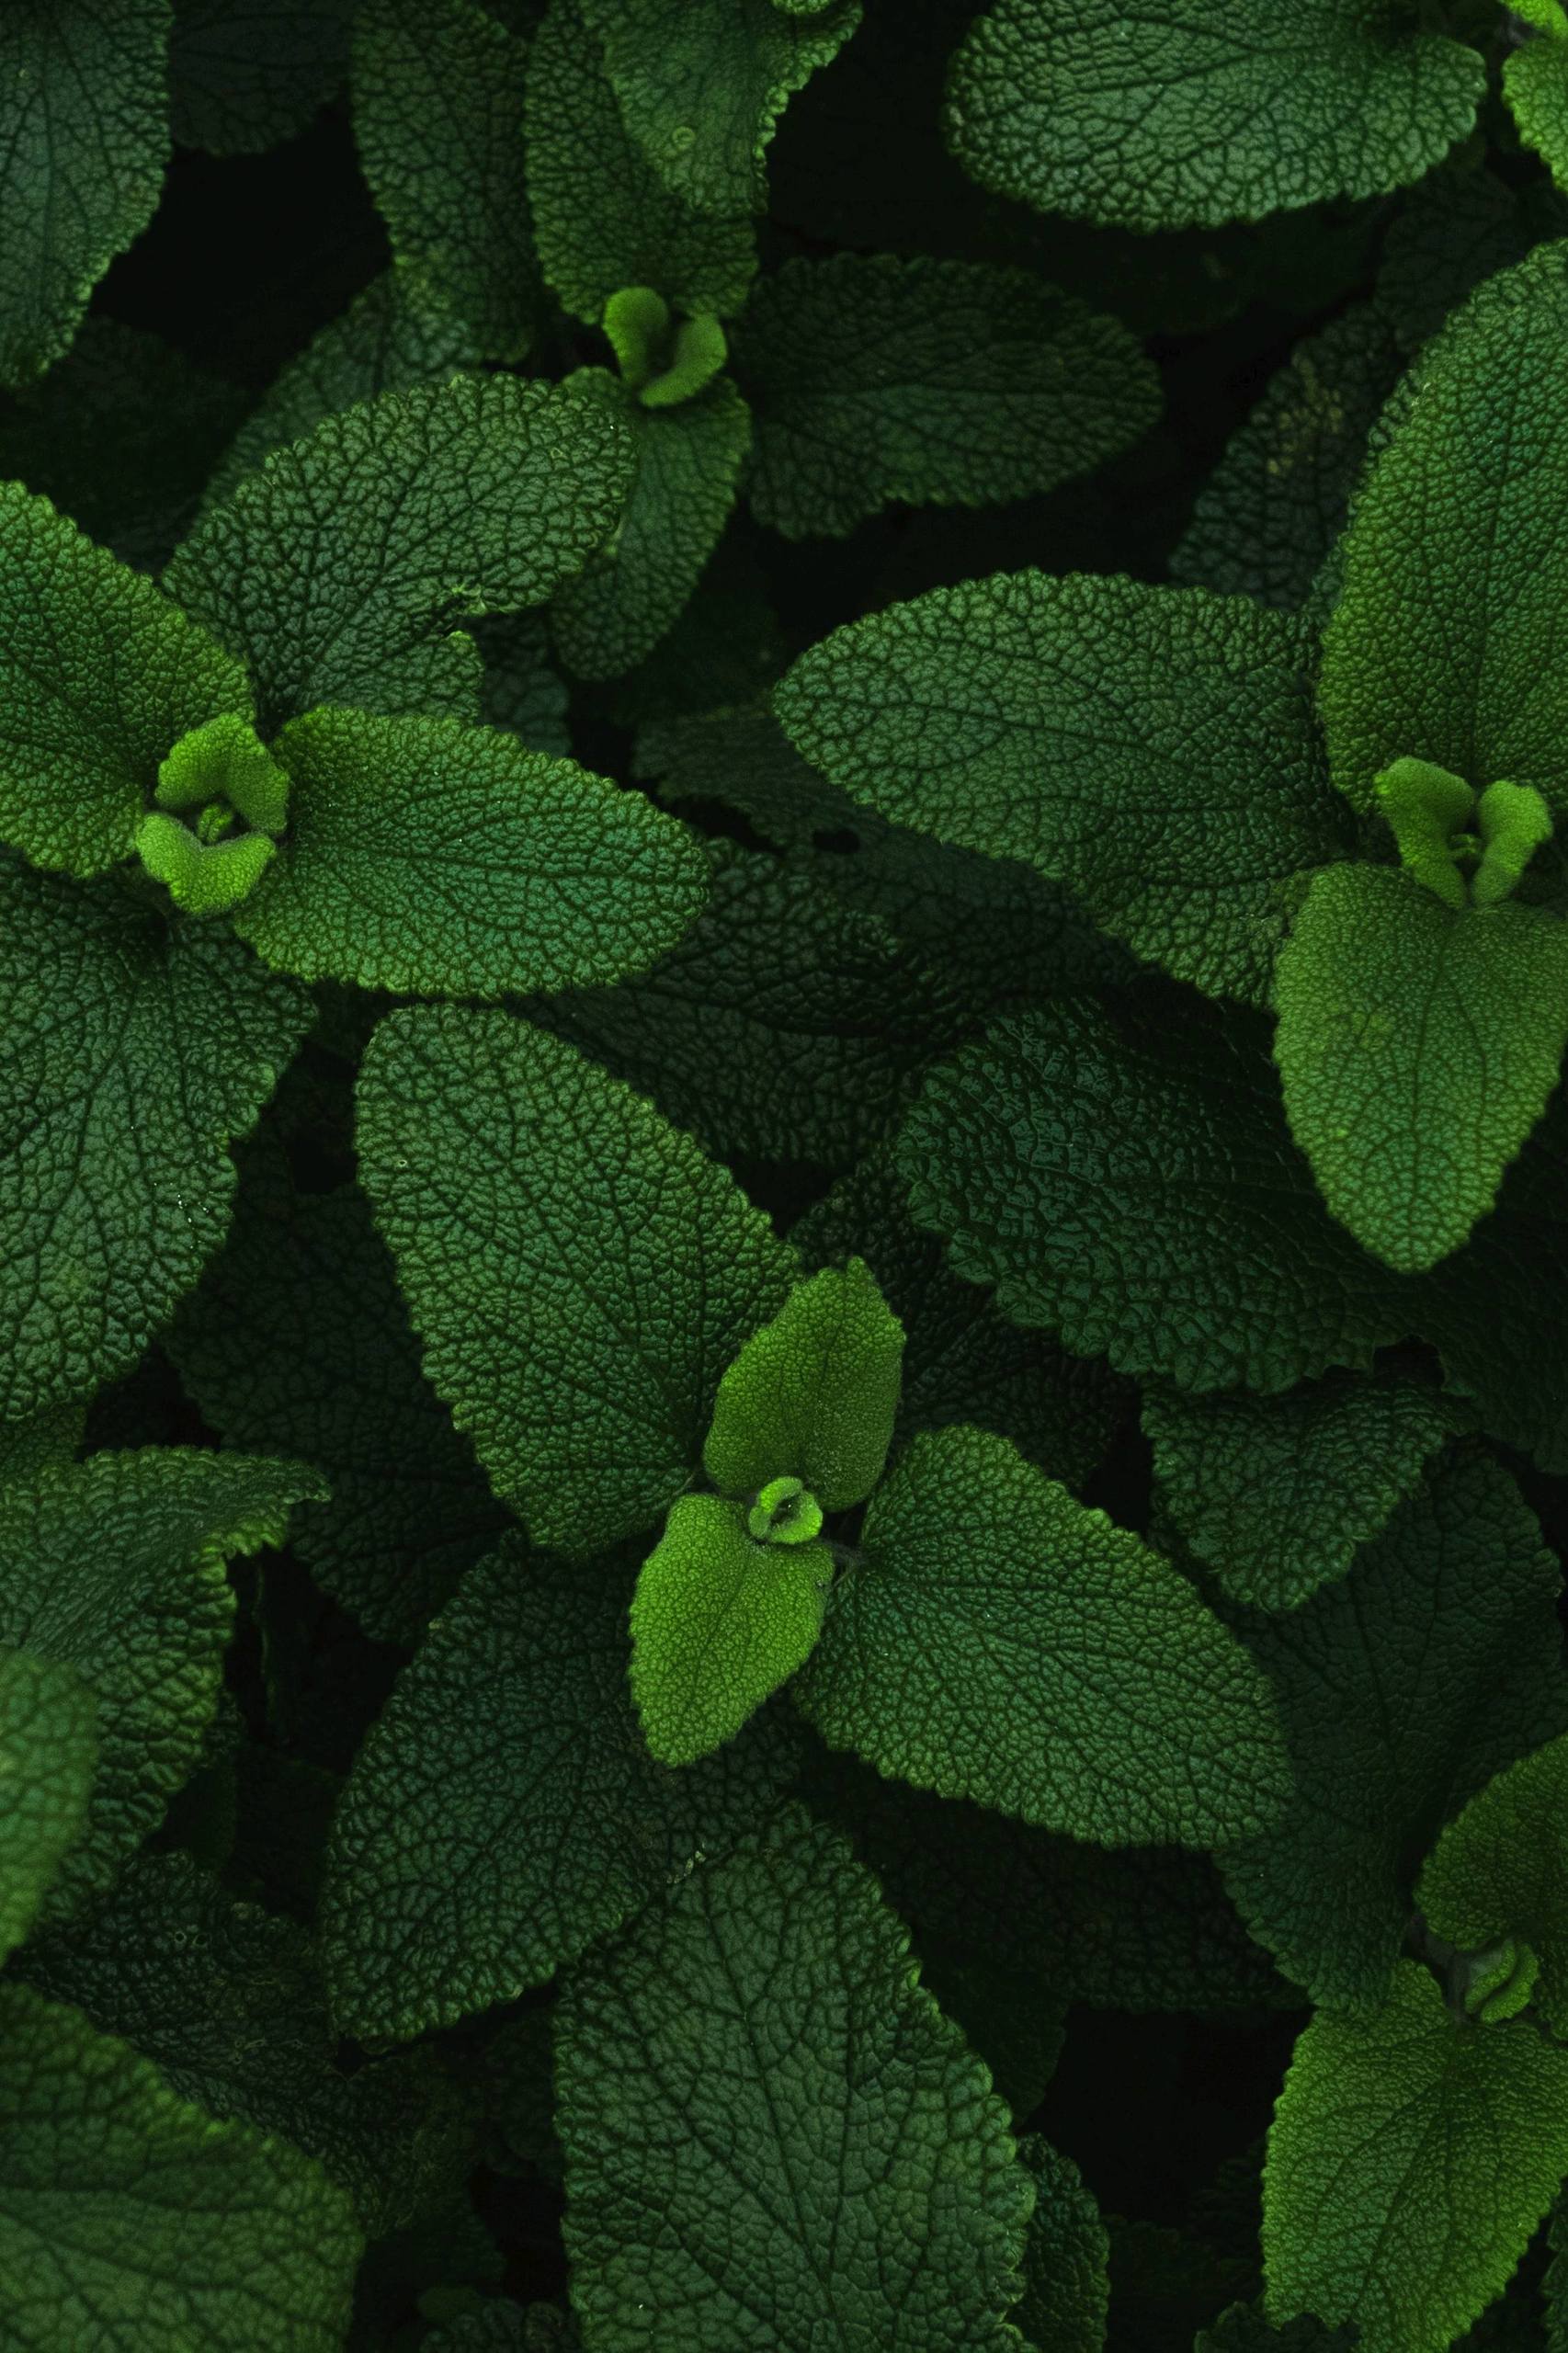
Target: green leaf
(719, 1621)
(1277, 1494)
(1458, 227)
(1242, 2328)
(298, 1343)
(962, 1361)
(1402, 1688)
(582, 1275)
(875, 380)
(424, 856)
(100, 676)
(131, 1054)
(1497, 1873)
(772, 2133)
(128, 2217)
(203, 878)
(246, 74)
(631, 593)
(1440, 646)
(1409, 2159)
(47, 1755)
(603, 217)
(1535, 82)
(227, 2002)
(115, 1568)
(1417, 1044)
(1109, 733)
(44, 1440)
(439, 122)
(1167, 119)
(664, 360)
(449, 1886)
(393, 521)
(703, 84)
(1065, 2288)
(813, 1393)
(1266, 520)
(999, 1640)
(83, 141)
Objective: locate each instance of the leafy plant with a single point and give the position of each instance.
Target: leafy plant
(782, 1177)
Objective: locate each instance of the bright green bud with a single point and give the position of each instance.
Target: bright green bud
(661, 361)
(1425, 806)
(1514, 822)
(203, 877)
(786, 1512)
(226, 761)
(1501, 1982)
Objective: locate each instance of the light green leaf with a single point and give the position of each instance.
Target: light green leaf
(629, 593)
(47, 1753)
(1409, 2159)
(703, 84)
(83, 141)
(439, 122)
(814, 1393)
(719, 1621)
(1167, 117)
(393, 521)
(99, 676)
(246, 74)
(603, 217)
(298, 1342)
(1066, 2290)
(1499, 1873)
(1109, 733)
(128, 2217)
(1403, 1688)
(999, 1641)
(131, 1052)
(115, 1568)
(424, 856)
(450, 1887)
(1418, 1044)
(1535, 82)
(580, 1274)
(1276, 1494)
(773, 2135)
(1441, 646)
(201, 877)
(875, 380)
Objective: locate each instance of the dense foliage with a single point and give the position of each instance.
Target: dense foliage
(783, 1182)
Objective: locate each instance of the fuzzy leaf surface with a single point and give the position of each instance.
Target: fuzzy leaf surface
(876, 381)
(1109, 733)
(813, 1394)
(47, 1756)
(1066, 2291)
(504, 1811)
(1499, 1872)
(1000, 1642)
(772, 2133)
(246, 74)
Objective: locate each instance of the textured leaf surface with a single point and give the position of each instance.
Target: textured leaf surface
(393, 521)
(772, 2133)
(1535, 82)
(1443, 643)
(1066, 2289)
(227, 2002)
(1402, 1688)
(718, 1622)
(629, 594)
(1417, 1044)
(84, 140)
(603, 217)
(47, 1753)
(702, 83)
(813, 1394)
(580, 1272)
(439, 122)
(1111, 734)
(132, 1052)
(101, 676)
(115, 1568)
(1499, 1871)
(1158, 117)
(298, 1342)
(245, 75)
(1276, 1494)
(875, 380)
(504, 1811)
(997, 1640)
(423, 855)
(128, 2217)
(1409, 2161)
(1264, 523)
